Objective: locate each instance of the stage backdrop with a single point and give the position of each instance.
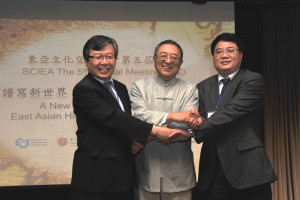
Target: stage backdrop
(41, 61)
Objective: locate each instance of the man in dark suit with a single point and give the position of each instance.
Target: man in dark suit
(233, 162)
(103, 167)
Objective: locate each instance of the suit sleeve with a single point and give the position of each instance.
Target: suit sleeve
(93, 104)
(248, 96)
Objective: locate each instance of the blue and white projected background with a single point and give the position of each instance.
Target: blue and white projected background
(41, 60)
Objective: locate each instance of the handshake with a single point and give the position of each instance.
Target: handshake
(178, 129)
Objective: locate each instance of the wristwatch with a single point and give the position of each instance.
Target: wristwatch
(182, 126)
(191, 132)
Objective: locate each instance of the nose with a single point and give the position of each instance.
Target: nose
(224, 54)
(104, 60)
(168, 59)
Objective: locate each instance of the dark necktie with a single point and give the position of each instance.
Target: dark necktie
(225, 81)
(108, 85)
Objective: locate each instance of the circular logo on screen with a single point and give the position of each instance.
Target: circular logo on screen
(62, 141)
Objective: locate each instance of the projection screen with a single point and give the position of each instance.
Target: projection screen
(41, 61)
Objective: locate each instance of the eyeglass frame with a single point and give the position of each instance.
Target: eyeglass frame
(228, 50)
(101, 57)
(164, 57)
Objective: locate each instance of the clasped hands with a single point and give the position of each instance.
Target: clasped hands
(167, 135)
(191, 118)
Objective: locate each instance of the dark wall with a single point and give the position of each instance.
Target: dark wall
(248, 25)
(58, 192)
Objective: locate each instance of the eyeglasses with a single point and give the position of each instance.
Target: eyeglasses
(164, 57)
(229, 50)
(101, 57)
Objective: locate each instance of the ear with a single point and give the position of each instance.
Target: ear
(85, 62)
(180, 64)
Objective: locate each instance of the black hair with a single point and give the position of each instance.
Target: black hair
(98, 42)
(227, 37)
(169, 42)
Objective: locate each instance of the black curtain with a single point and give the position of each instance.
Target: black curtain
(281, 66)
(271, 32)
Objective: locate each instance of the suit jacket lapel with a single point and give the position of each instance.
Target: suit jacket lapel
(123, 95)
(229, 92)
(213, 91)
(103, 90)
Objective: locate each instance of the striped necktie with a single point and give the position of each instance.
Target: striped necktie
(108, 85)
(225, 81)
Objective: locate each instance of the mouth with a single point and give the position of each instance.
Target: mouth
(225, 62)
(167, 67)
(104, 70)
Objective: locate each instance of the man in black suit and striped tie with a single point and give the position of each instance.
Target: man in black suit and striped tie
(233, 162)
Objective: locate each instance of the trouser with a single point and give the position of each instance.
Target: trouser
(220, 189)
(145, 195)
(85, 195)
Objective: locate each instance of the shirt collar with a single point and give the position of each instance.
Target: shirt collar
(102, 81)
(231, 76)
(167, 83)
